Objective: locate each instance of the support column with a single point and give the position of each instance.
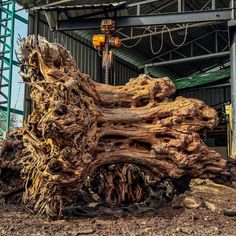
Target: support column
(233, 87)
(146, 70)
(213, 4)
(232, 38)
(179, 5)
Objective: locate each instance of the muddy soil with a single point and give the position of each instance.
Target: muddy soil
(166, 221)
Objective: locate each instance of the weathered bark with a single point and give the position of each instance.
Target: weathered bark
(79, 126)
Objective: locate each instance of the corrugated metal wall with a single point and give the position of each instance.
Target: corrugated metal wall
(85, 55)
(123, 72)
(214, 97)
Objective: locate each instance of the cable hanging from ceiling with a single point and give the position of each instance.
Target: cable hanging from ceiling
(138, 41)
(171, 39)
(185, 36)
(162, 42)
(162, 39)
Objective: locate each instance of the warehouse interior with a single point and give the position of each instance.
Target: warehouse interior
(128, 117)
(159, 38)
(195, 55)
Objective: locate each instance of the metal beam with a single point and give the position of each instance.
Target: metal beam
(58, 2)
(187, 59)
(205, 5)
(232, 33)
(166, 31)
(175, 49)
(18, 17)
(12, 110)
(76, 23)
(141, 3)
(55, 6)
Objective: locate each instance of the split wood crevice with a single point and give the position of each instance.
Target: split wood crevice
(79, 128)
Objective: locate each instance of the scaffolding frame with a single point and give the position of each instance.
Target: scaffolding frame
(8, 17)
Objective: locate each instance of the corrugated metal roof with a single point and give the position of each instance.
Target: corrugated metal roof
(141, 53)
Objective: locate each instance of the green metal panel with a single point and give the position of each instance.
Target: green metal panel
(201, 79)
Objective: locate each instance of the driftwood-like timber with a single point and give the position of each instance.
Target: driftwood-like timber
(82, 131)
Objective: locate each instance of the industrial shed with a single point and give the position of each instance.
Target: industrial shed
(114, 141)
(194, 54)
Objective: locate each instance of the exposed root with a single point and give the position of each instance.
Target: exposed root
(81, 130)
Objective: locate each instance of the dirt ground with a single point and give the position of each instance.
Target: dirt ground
(167, 221)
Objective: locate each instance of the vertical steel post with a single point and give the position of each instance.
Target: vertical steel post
(138, 9)
(11, 67)
(7, 18)
(179, 5)
(183, 5)
(233, 88)
(232, 34)
(213, 4)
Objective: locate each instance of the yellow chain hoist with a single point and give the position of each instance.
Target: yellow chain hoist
(105, 43)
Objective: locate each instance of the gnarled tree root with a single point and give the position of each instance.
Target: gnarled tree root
(79, 127)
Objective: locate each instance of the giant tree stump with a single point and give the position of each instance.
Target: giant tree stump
(78, 126)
